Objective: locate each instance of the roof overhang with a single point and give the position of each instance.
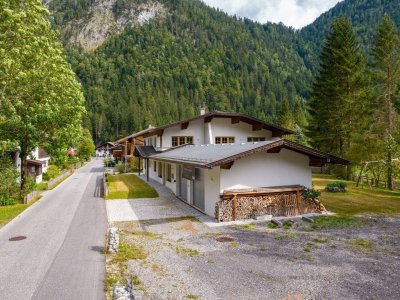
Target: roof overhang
(257, 124)
(317, 158)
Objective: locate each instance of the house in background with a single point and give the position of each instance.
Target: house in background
(37, 163)
(41, 155)
(104, 150)
(127, 146)
(232, 166)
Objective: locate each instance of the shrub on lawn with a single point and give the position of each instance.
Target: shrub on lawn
(311, 194)
(120, 167)
(52, 172)
(337, 186)
(6, 201)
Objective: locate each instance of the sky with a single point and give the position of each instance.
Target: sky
(294, 13)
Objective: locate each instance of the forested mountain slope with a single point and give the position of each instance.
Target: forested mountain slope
(147, 62)
(365, 16)
(164, 69)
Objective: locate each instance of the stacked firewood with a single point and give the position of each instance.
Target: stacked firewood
(241, 207)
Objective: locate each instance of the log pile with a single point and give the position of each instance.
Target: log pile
(239, 205)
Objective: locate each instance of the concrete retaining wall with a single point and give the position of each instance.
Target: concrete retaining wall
(53, 182)
(31, 196)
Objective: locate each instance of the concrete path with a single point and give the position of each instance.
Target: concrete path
(61, 258)
(164, 207)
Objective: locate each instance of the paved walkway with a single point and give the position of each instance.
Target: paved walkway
(164, 207)
(61, 258)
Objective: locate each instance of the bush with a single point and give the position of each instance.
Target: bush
(30, 185)
(109, 162)
(9, 175)
(52, 172)
(311, 194)
(120, 167)
(337, 186)
(6, 201)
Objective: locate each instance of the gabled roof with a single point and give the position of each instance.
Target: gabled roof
(105, 144)
(43, 153)
(145, 151)
(116, 147)
(238, 117)
(212, 155)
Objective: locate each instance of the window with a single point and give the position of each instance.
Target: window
(224, 139)
(255, 139)
(160, 169)
(169, 172)
(154, 166)
(181, 140)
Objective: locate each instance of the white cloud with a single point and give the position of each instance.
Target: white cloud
(295, 13)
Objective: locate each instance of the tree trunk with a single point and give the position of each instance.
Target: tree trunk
(389, 170)
(24, 168)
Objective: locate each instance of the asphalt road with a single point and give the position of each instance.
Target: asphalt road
(61, 258)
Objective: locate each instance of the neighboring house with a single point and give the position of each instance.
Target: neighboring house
(104, 150)
(37, 163)
(35, 169)
(126, 146)
(41, 155)
(231, 165)
(116, 151)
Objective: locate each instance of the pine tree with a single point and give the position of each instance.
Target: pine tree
(385, 76)
(285, 116)
(337, 91)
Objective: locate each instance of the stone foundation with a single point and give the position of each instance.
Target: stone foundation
(239, 206)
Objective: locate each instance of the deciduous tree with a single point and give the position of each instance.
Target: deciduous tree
(40, 98)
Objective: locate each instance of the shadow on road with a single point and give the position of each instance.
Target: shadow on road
(97, 170)
(98, 190)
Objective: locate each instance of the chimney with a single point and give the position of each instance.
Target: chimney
(150, 126)
(202, 109)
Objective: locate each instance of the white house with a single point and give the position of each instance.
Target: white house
(104, 150)
(217, 161)
(37, 163)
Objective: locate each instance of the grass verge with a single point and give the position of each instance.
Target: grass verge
(128, 186)
(330, 222)
(9, 212)
(117, 264)
(357, 200)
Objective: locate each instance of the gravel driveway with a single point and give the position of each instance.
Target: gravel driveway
(186, 261)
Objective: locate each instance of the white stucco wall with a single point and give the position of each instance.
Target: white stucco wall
(241, 131)
(268, 169)
(212, 190)
(171, 185)
(195, 129)
(152, 174)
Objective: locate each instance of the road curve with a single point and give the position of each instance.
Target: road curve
(61, 258)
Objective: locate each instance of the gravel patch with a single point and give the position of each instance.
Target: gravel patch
(186, 261)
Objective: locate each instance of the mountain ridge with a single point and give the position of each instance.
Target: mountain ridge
(162, 69)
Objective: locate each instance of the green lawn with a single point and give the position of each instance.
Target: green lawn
(358, 200)
(127, 186)
(9, 212)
